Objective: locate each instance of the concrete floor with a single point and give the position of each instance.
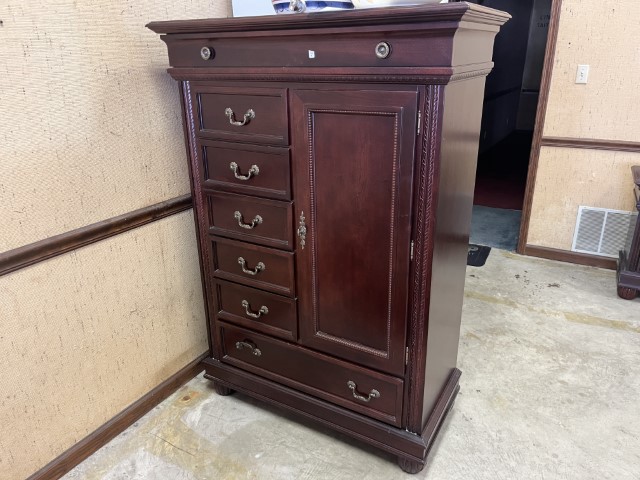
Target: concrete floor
(550, 390)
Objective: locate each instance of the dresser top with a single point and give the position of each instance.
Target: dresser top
(450, 12)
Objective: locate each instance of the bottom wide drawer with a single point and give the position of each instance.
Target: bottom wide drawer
(359, 389)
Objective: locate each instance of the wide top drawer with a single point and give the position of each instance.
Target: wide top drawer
(253, 115)
(453, 34)
(348, 49)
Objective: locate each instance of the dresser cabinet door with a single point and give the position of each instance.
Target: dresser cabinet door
(353, 167)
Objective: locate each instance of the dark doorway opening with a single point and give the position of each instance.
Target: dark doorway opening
(509, 113)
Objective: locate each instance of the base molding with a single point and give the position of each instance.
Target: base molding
(410, 447)
(100, 437)
(569, 257)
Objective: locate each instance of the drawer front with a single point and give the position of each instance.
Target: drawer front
(257, 310)
(254, 115)
(259, 267)
(356, 49)
(365, 391)
(249, 169)
(257, 220)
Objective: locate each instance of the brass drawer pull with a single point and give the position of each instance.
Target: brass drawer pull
(257, 220)
(374, 393)
(247, 344)
(263, 310)
(250, 115)
(302, 231)
(259, 267)
(253, 171)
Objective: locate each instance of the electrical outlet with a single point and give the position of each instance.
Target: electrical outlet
(583, 74)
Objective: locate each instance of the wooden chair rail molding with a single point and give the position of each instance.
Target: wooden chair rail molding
(27, 255)
(591, 144)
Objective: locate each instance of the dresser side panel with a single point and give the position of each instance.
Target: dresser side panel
(462, 105)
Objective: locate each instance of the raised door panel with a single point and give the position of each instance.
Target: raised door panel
(353, 167)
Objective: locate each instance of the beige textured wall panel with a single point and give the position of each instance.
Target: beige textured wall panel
(604, 35)
(90, 125)
(88, 333)
(568, 178)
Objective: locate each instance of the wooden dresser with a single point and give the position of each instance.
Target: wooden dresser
(332, 158)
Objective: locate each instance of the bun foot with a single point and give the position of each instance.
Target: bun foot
(222, 390)
(627, 293)
(410, 466)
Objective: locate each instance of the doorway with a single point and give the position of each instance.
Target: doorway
(511, 100)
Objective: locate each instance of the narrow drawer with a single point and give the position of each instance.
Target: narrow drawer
(258, 310)
(254, 115)
(259, 267)
(365, 391)
(356, 49)
(251, 219)
(249, 169)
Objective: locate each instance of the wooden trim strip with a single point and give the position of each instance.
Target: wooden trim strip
(411, 75)
(27, 255)
(545, 86)
(570, 257)
(100, 437)
(591, 144)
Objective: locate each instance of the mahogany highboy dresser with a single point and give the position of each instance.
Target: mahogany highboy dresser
(333, 159)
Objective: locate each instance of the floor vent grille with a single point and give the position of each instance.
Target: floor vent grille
(601, 231)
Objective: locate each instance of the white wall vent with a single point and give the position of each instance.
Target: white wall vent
(601, 231)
